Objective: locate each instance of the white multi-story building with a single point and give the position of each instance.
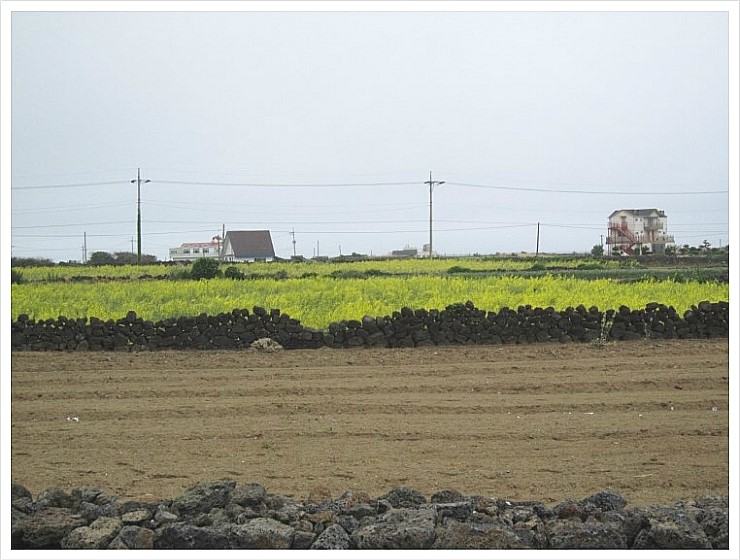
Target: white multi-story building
(634, 231)
(193, 251)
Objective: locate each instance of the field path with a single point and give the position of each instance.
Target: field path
(648, 419)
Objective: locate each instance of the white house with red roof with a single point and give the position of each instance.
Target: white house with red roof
(193, 251)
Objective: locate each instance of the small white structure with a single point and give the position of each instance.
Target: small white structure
(631, 231)
(192, 251)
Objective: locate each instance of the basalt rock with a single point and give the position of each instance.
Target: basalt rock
(223, 515)
(459, 323)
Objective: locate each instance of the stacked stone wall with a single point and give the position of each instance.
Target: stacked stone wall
(224, 515)
(456, 324)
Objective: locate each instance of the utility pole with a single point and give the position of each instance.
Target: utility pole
(138, 213)
(537, 250)
(84, 248)
(292, 233)
(431, 184)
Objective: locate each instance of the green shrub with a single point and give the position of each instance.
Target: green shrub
(233, 273)
(375, 272)
(347, 274)
(458, 269)
(16, 277)
(180, 273)
(590, 266)
(204, 268)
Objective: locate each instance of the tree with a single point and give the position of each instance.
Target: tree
(670, 250)
(204, 268)
(126, 257)
(101, 257)
(30, 261)
(597, 251)
(705, 246)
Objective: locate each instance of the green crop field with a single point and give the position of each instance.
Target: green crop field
(300, 269)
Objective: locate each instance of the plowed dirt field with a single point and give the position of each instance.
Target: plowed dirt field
(647, 419)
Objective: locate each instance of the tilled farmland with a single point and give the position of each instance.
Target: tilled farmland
(647, 419)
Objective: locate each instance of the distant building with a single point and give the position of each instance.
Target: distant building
(192, 251)
(248, 246)
(406, 252)
(630, 231)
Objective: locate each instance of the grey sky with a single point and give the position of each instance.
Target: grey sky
(590, 101)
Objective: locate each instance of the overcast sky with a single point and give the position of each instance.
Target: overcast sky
(209, 103)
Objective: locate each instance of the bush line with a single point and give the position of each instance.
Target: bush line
(457, 324)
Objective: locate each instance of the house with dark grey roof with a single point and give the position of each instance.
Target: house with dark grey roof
(248, 246)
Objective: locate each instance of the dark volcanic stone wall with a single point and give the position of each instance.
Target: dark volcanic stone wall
(456, 324)
(223, 515)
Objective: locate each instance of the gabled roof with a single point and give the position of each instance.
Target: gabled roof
(641, 213)
(250, 244)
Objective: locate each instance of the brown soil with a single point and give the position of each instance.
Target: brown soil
(541, 422)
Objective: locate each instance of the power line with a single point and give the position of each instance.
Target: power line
(75, 208)
(532, 209)
(97, 172)
(280, 222)
(416, 230)
(676, 228)
(569, 226)
(376, 184)
(68, 185)
(576, 191)
(126, 234)
(279, 185)
(384, 208)
(73, 225)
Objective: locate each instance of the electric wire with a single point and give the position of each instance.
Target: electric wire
(68, 185)
(578, 191)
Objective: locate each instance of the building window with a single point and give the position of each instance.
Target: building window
(196, 251)
(206, 250)
(186, 251)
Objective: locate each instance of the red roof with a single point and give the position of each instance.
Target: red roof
(207, 244)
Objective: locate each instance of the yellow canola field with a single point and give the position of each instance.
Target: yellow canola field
(316, 302)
